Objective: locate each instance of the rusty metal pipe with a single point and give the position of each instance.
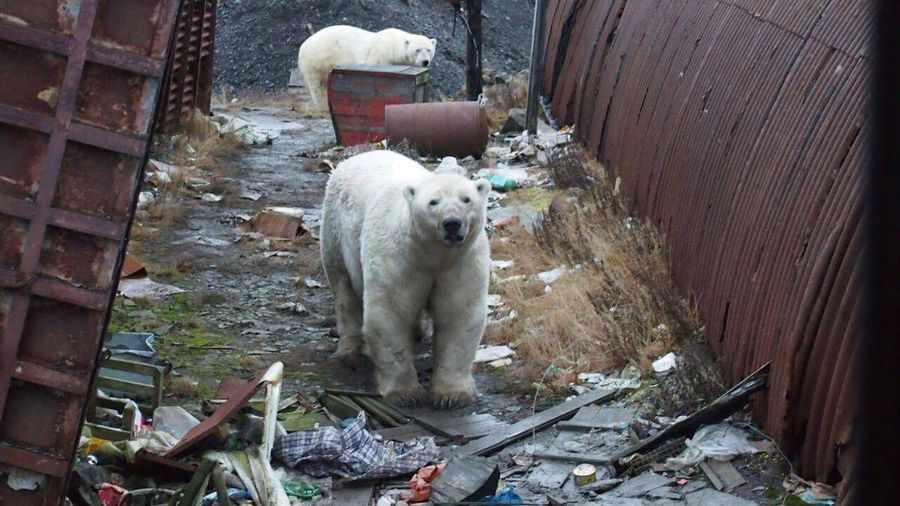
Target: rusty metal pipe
(439, 128)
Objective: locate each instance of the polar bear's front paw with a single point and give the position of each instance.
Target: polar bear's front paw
(409, 397)
(452, 397)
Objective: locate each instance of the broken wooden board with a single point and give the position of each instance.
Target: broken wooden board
(591, 418)
(464, 427)
(532, 424)
(465, 479)
(722, 475)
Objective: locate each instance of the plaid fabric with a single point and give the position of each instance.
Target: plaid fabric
(353, 452)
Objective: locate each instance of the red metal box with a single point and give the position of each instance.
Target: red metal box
(358, 94)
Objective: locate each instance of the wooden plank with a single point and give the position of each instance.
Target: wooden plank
(722, 475)
(468, 427)
(355, 493)
(580, 458)
(523, 428)
(591, 418)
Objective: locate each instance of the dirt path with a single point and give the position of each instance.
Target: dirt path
(234, 318)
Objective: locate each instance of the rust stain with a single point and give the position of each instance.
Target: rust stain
(738, 128)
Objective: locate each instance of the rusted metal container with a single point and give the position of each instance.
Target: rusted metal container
(358, 94)
(189, 81)
(739, 128)
(439, 129)
(79, 82)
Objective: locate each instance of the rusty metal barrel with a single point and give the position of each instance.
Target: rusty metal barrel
(439, 128)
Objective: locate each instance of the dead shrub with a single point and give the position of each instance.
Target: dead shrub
(616, 305)
(182, 387)
(200, 144)
(309, 260)
(169, 209)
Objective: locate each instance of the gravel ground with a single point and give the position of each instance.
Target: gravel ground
(257, 40)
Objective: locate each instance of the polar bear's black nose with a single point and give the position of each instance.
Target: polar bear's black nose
(425, 63)
(452, 225)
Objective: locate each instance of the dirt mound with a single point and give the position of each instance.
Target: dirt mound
(257, 40)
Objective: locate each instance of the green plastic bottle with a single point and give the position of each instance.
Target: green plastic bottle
(502, 184)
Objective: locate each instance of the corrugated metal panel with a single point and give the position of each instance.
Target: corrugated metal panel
(79, 81)
(737, 127)
(189, 81)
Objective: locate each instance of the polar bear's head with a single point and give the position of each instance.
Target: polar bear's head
(448, 208)
(419, 50)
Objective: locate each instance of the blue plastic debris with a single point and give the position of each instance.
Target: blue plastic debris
(507, 496)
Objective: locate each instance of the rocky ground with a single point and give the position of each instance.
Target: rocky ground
(257, 40)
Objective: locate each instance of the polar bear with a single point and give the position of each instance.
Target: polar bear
(343, 45)
(398, 240)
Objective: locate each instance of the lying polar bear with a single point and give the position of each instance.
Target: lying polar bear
(398, 240)
(344, 45)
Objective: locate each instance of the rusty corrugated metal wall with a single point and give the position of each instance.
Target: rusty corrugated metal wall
(79, 83)
(739, 128)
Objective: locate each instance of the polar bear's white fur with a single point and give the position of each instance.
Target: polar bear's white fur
(344, 45)
(398, 240)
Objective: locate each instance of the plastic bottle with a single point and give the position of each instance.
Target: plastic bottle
(502, 184)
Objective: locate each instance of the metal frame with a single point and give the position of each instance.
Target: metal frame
(65, 386)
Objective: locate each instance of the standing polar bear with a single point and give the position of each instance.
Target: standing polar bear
(344, 45)
(398, 240)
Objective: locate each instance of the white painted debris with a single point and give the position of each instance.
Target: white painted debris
(144, 200)
(145, 288)
(211, 197)
(247, 131)
(664, 363)
(494, 300)
(21, 479)
(501, 264)
(721, 441)
(312, 283)
(166, 168)
(492, 353)
(550, 277)
(600, 381)
(160, 178)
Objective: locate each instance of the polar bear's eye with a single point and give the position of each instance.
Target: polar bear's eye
(433, 203)
(467, 200)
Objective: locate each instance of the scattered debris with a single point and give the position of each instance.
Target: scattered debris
(664, 363)
(549, 277)
(147, 289)
(518, 430)
(720, 442)
(722, 474)
(492, 353)
(353, 452)
(278, 222)
(584, 474)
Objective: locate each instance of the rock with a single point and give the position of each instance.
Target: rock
(515, 121)
(560, 206)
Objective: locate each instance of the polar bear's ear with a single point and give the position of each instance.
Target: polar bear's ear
(433, 42)
(410, 193)
(483, 186)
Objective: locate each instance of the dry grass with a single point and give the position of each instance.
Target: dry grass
(505, 96)
(618, 307)
(309, 260)
(182, 387)
(200, 144)
(169, 209)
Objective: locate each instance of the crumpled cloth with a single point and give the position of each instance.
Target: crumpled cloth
(720, 442)
(353, 452)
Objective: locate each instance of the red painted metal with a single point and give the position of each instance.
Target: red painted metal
(439, 129)
(738, 128)
(190, 78)
(358, 94)
(78, 86)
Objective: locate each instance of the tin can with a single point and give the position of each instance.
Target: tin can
(584, 474)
